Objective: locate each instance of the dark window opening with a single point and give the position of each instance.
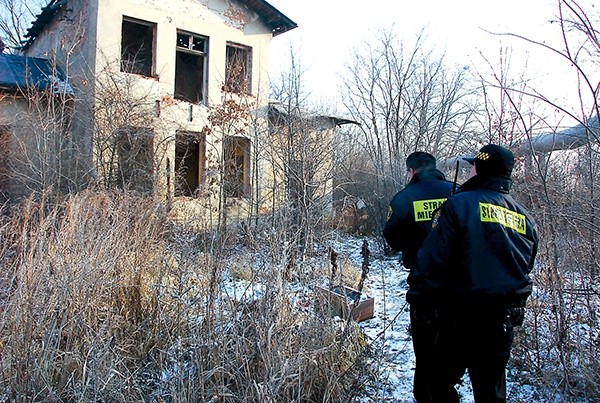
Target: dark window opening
(137, 47)
(135, 146)
(238, 69)
(190, 68)
(190, 157)
(236, 172)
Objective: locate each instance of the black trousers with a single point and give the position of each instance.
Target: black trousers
(424, 331)
(477, 340)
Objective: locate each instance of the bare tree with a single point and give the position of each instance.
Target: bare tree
(125, 120)
(16, 17)
(406, 99)
(558, 179)
(301, 154)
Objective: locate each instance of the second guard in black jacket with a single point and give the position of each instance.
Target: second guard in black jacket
(408, 224)
(475, 266)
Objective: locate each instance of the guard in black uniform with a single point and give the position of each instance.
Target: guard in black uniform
(475, 267)
(409, 222)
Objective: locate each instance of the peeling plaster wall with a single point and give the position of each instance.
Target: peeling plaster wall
(86, 36)
(220, 21)
(70, 40)
(12, 109)
(233, 23)
(34, 147)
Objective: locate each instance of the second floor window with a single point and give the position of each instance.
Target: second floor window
(190, 67)
(238, 68)
(137, 46)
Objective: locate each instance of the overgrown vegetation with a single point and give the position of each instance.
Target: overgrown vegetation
(103, 300)
(409, 100)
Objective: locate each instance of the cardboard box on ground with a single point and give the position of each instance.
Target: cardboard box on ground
(344, 302)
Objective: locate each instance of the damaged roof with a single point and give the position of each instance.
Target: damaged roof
(279, 112)
(42, 19)
(20, 72)
(273, 18)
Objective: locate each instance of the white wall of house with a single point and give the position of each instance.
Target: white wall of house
(193, 17)
(221, 22)
(86, 35)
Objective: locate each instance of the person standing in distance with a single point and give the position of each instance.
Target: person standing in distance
(408, 223)
(475, 266)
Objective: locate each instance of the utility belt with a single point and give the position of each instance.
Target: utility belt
(428, 315)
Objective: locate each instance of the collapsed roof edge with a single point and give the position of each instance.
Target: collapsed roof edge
(274, 19)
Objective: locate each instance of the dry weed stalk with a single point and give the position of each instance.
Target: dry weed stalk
(101, 299)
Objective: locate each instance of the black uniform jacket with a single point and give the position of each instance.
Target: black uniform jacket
(411, 209)
(481, 249)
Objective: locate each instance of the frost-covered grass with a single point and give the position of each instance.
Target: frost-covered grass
(102, 298)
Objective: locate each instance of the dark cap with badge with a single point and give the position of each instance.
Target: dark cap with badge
(493, 160)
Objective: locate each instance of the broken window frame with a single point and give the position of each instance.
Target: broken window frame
(190, 162)
(135, 158)
(238, 68)
(236, 166)
(140, 61)
(187, 87)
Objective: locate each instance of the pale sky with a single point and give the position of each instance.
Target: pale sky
(328, 30)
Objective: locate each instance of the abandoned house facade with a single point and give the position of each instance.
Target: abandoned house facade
(166, 99)
(171, 99)
(166, 93)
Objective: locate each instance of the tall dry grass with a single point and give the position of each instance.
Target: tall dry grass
(102, 299)
(559, 345)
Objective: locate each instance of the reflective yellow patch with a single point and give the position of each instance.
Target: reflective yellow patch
(425, 208)
(390, 211)
(503, 216)
(482, 156)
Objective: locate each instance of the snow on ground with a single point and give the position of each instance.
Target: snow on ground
(388, 329)
(387, 332)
